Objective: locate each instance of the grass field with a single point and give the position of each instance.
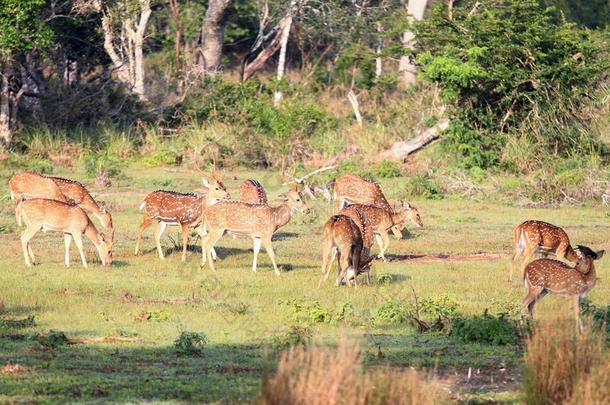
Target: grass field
(122, 321)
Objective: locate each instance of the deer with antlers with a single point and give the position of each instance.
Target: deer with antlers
(382, 220)
(544, 276)
(349, 239)
(34, 185)
(258, 221)
(531, 237)
(252, 192)
(183, 209)
(52, 215)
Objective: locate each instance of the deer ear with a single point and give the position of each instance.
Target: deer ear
(205, 182)
(102, 238)
(406, 205)
(283, 197)
(600, 254)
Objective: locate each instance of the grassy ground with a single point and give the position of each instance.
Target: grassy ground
(148, 303)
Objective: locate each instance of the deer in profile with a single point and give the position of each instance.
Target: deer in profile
(34, 185)
(349, 241)
(381, 221)
(353, 189)
(52, 215)
(183, 209)
(531, 237)
(544, 276)
(252, 192)
(258, 221)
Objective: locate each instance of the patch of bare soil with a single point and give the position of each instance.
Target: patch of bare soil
(444, 257)
(468, 380)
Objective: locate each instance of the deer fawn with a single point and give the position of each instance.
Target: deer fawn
(533, 237)
(33, 185)
(172, 208)
(252, 192)
(382, 220)
(51, 215)
(545, 276)
(346, 240)
(259, 221)
(353, 189)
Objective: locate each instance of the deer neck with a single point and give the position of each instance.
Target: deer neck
(571, 255)
(92, 233)
(397, 217)
(281, 215)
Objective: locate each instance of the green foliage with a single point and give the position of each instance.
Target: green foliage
(52, 340)
(507, 59)
(424, 185)
(21, 26)
(488, 329)
(190, 343)
(17, 323)
(317, 314)
(385, 278)
(392, 312)
(386, 169)
(96, 164)
(297, 335)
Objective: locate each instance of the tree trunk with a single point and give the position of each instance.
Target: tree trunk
(138, 85)
(175, 10)
(378, 61)
(285, 34)
(212, 35)
(400, 150)
(6, 132)
(408, 70)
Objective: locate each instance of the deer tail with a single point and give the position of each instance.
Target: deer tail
(143, 205)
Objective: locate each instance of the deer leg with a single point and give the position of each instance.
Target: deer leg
(269, 248)
(344, 263)
(158, 234)
(576, 305)
(327, 261)
(257, 247)
(78, 241)
(206, 242)
(145, 224)
(31, 252)
(67, 242)
(26, 236)
(355, 263)
(185, 240)
(534, 294)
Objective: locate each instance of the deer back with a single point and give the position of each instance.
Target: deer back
(53, 215)
(33, 185)
(245, 218)
(545, 236)
(251, 191)
(173, 207)
(359, 190)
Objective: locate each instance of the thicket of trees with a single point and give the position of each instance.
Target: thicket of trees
(533, 70)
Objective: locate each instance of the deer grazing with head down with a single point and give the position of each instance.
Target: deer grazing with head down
(258, 221)
(52, 215)
(544, 276)
(252, 192)
(33, 185)
(540, 237)
(349, 240)
(381, 221)
(183, 209)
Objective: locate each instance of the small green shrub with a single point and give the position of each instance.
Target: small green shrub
(385, 278)
(296, 336)
(164, 155)
(487, 329)
(317, 314)
(17, 323)
(190, 343)
(386, 169)
(424, 185)
(96, 164)
(52, 340)
(392, 312)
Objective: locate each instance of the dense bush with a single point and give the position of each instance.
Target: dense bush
(190, 343)
(488, 329)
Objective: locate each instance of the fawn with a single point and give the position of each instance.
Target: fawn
(533, 237)
(52, 215)
(544, 276)
(258, 221)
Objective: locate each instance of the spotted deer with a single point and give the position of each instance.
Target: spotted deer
(544, 276)
(183, 209)
(52, 215)
(258, 221)
(382, 220)
(252, 192)
(346, 239)
(353, 189)
(34, 185)
(531, 237)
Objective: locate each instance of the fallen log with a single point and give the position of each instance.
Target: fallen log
(400, 150)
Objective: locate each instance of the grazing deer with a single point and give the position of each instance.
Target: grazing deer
(544, 276)
(533, 237)
(252, 192)
(52, 215)
(258, 221)
(33, 185)
(354, 189)
(382, 220)
(346, 240)
(173, 208)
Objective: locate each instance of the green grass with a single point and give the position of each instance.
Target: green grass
(241, 312)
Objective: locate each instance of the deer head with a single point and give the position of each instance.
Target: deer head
(104, 248)
(586, 257)
(294, 200)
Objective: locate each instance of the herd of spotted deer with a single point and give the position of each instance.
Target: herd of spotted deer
(62, 205)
